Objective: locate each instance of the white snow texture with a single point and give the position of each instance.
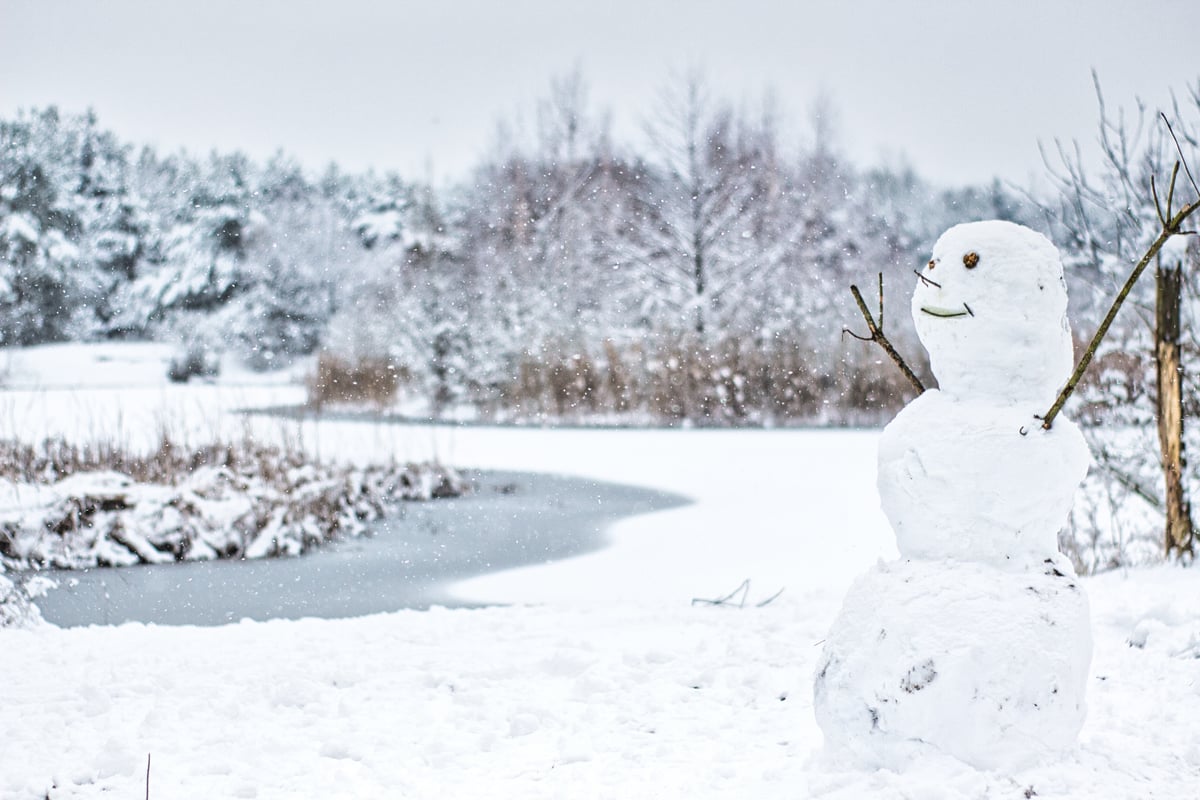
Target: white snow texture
(977, 642)
(960, 480)
(997, 331)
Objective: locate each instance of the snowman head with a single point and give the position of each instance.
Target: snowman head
(991, 309)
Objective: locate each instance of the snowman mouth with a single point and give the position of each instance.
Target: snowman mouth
(947, 313)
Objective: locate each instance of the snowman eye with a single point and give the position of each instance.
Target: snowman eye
(971, 260)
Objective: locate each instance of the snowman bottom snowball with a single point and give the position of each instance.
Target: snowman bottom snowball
(920, 661)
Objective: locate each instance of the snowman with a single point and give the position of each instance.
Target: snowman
(976, 642)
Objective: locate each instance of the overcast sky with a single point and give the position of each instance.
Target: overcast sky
(964, 90)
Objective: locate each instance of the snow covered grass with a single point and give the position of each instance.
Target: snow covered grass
(72, 506)
(603, 680)
(97, 472)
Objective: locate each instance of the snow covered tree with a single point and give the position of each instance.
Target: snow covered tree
(698, 276)
(113, 223)
(705, 225)
(39, 232)
(297, 254)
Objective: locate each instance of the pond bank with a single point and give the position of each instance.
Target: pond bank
(510, 520)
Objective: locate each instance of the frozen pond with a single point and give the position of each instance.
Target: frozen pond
(511, 519)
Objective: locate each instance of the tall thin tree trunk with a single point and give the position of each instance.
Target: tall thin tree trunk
(1178, 535)
(699, 279)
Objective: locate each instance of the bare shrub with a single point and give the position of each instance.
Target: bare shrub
(196, 361)
(104, 505)
(372, 381)
(725, 378)
(870, 389)
(688, 377)
(555, 380)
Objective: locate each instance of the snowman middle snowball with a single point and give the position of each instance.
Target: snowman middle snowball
(966, 470)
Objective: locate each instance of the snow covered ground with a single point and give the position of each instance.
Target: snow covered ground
(601, 680)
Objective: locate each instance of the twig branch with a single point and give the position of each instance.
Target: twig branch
(1179, 150)
(1162, 218)
(743, 589)
(1171, 189)
(770, 599)
(878, 337)
(741, 593)
(1170, 228)
(1105, 462)
(880, 320)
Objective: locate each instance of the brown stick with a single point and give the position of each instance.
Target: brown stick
(1169, 229)
(878, 337)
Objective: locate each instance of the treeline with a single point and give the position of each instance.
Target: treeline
(700, 274)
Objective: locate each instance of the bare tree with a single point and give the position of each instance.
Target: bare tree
(1105, 220)
(704, 223)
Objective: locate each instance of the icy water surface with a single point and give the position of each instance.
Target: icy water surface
(510, 520)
